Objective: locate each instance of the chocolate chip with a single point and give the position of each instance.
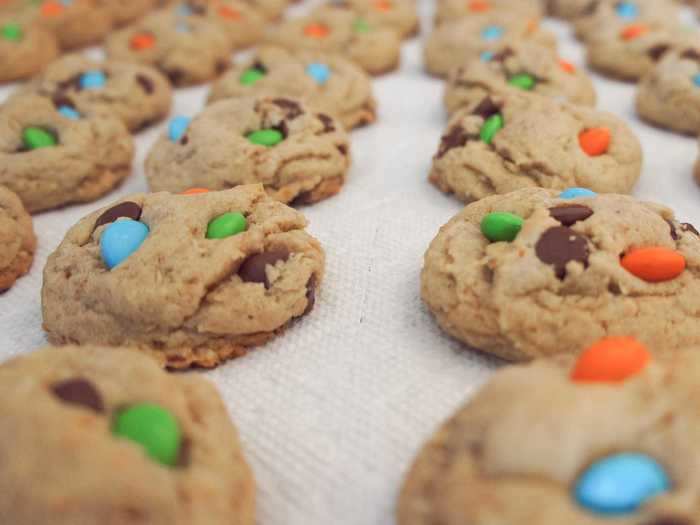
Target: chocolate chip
(145, 83)
(570, 214)
(455, 138)
(657, 51)
(502, 55)
(302, 199)
(291, 108)
(691, 54)
(253, 269)
(222, 65)
(310, 295)
(560, 245)
(128, 209)
(259, 66)
(185, 454)
(80, 392)
(343, 149)
(687, 227)
(327, 122)
(176, 76)
(184, 140)
(71, 82)
(590, 8)
(60, 100)
(486, 108)
(674, 233)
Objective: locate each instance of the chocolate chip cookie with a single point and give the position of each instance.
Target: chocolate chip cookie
(25, 48)
(336, 30)
(611, 437)
(140, 95)
(330, 83)
(539, 272)
(75, 23)
(510, 141)
(17, 240)
(271, 9)
(455, 43)
(624, 12)
(520, 66)
(124, 13)
(52, 155)
(450, 10)
(190, 279)
(299, 155)
(399, 15)
(151, 447)
(569, 9)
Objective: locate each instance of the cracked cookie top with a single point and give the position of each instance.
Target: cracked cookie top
(537, 272)
(191, 279)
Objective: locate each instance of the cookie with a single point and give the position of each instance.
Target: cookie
(299, 155)
(124, 13)
(17, 240)
(25, 48)
(561, 442)
(625, 12)
(52, 155)
(510, 141)
(271, 9)
(450, 10)
(520, 66)
(188, 51)
(124, 443)
(336, 30)
(140, 95)
(537, 272)
(569, 9)
(75, 23)
(330, 83)
(192, 280)
(399, 15)
(669, 95)
(455, 43)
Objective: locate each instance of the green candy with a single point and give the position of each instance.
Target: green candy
(227, 225)
(361, 26)
(492, 125)
(266, 137)
(251, 76)
(501, 226)
(522, 81)
(152, 427)
(12, 32)
(35, 138)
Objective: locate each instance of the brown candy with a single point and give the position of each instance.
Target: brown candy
(79, 392)
(561, 245)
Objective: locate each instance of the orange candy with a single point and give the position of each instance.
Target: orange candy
(316, 31)
(51, 8)
(229, 13)
(611, 360)
(142, 41)
(479, 6)
(382, 5)
(567, 66)
(654, 264)
(195, 191)
(633, 31)
(595, 141)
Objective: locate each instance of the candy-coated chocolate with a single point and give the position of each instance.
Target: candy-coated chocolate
(523, 81)
(501, 226)
(36, 138)
(492, 126)
(266, 137)
(152, 427)
(654, 264)
(611, 360)
(250, 76)
(121, 239)
(575, 193)
(93, 80)
(319, 72)
(69, 112)
(12, 32)
(595, 141)
(178, 127)
(226, 225)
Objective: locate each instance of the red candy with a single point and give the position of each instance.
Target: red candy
(633, 31)
(594, 141)
(142, 41)
(382, 5)
(654, 264)
(316, 31)
(479, 6)
(229, 13)
(611, 360)
(51, 8)
(567, 66)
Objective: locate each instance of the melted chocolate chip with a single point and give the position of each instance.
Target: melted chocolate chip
(570, 214)
(184, 140)
(691, 54)
(658, 51)
(253, 269)
(79, 392)
(486, 108)
(455, 138)
(176, 76)
(291, 108)
(674, 233)
(60, 100)
(559, 246)
(302, 199)
(502, 55)
(222, 65)
(259, 66)
(310, 295)
(72, 82)
(327, 122)
(145, 83)
(128, 209)
(687, 227)
(343, 149)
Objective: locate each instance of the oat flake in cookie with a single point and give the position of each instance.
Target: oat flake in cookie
(540, 272)
(17, 240)
(191, 279)
(300, 155)
(94, 435)
(610, 437)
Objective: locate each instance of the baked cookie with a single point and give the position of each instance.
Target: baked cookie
(520, 66)
(330, 83)
(450, 10)
(189, 51)
(622, 13)
(299, 155)
(17, 240)
(537, 272)
(52, 155)
(191, 279)
(569, 9)
(610, 438)
(669, 95)
(124, 13)
(140, 445)
(336, 30)
(510, 141)
(455, 43)
(271, 9)
(399, 15)
(25, 48)
(75, 23)
(140, 95)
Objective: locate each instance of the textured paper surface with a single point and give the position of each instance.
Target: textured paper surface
(332, 413)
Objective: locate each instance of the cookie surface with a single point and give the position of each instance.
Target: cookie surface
(569, 9)
(86, 396)
(76, 23)
(140, 95)
(123, 13)
(17, 240)
(625, 12)
(272, 9)
(581, 437)
(399, 15)
(450, 10)
(520, 66)
(50, 159)
(509, 141)
(570, 275)
(299, 155)
(337, 30)
(330, 83)
(25, 48)
(214, 291)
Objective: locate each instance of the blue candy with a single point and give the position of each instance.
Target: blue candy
(620, 484)
(574, 193)
(627, 10)
(696, 79)
(486, 56)
(69, 112)
(120, 239)
(178, 127)
(93, 80)
(492, 33)
(319, 72)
